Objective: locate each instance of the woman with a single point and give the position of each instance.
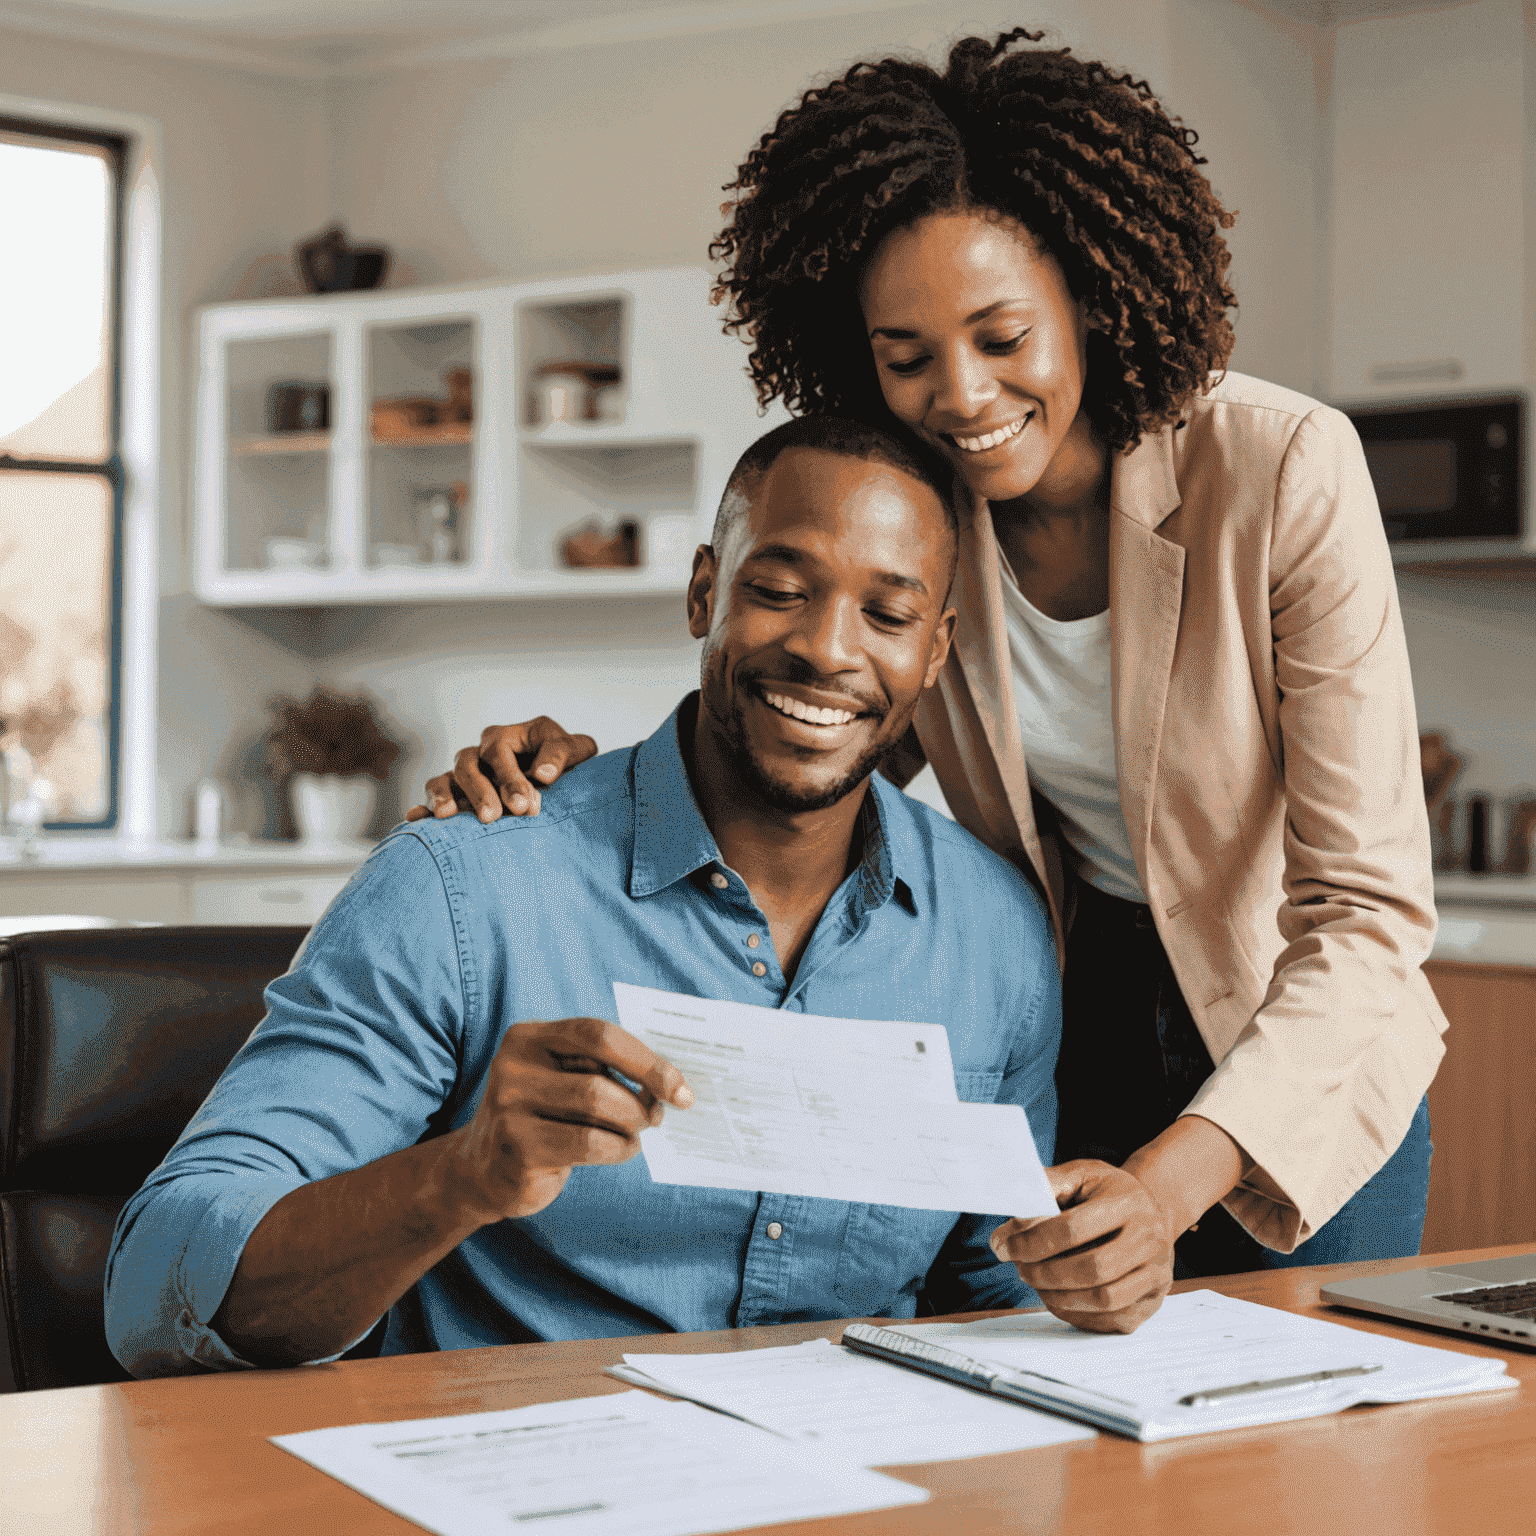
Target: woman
(1179, 696)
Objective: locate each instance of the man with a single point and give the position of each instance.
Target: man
(432, 1124)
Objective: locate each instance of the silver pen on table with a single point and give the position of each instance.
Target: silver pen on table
(1216, 1394)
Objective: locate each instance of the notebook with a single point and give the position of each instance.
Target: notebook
(1203, 1362)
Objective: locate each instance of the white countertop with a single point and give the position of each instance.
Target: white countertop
(1485, 891)
(1487, 919)
(62, 854)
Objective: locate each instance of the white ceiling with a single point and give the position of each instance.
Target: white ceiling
(318, 37)
(322, 36)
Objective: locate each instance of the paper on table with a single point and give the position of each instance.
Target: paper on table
(844, 1109)
(625, 1464)
(822, 1395)
(1202, 1340)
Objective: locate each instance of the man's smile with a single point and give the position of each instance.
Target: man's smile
(810, 714)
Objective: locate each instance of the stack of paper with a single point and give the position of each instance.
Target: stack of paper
(844, 1109)
(1205, 1362)
(622, 1465)
(861, 1410)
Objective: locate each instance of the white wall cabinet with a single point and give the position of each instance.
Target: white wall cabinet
(1429, 263)
(310, 511)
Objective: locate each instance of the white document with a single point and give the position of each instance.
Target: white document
(844, 1109)
(794, 1052)
(1202, 1341)
(824, 1396)
(620, 1465)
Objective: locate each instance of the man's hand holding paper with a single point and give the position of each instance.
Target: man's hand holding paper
(558, 1095)
(841, 1109)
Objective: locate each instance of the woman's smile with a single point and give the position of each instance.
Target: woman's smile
(991, 439)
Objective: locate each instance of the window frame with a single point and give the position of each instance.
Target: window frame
(116, 148)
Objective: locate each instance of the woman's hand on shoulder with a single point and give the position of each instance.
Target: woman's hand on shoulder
(506, 771)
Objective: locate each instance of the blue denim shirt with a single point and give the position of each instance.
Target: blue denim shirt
(382, 1032)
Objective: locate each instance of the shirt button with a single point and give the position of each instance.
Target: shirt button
(759, 969)
(718, 881)
(753, 941)
(775, 1230)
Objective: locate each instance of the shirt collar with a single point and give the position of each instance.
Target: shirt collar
(672, 839)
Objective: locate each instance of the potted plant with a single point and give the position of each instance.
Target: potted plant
(331, 753)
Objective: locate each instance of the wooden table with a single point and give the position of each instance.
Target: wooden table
(166, 1457)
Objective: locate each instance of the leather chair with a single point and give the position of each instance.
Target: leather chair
(109, 1041)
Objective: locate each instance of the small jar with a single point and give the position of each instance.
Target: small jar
(559, 397)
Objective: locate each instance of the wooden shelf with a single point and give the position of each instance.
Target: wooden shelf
(280, 443)
(453, 434)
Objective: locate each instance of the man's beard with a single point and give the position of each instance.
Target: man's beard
(781, 796)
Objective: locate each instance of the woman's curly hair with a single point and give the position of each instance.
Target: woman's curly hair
(1085, 159)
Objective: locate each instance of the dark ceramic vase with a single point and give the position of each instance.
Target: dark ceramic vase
(328, 264)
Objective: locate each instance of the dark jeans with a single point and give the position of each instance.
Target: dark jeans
(1132, 1059)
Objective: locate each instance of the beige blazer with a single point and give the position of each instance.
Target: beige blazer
(1267, 753)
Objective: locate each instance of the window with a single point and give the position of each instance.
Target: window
(61, 479)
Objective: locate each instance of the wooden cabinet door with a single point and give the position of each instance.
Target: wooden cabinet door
(1482, 1109)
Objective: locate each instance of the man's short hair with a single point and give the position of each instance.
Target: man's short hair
(844, 435)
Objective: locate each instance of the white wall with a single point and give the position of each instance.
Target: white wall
(614, 155)
(467, 170)
(1473, 645)
(242, 171)
(1253, 85)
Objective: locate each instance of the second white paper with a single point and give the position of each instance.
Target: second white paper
(823, 1396)
(843, 1109)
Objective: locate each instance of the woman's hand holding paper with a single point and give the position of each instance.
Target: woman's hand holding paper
(1106, 1262)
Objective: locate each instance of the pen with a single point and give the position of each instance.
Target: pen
(615, 1076)
(1216, 1394)
(575, 1063)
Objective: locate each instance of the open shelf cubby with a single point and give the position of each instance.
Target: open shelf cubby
(565, 489)
(421, 395)
(589, 331)
(277, 475)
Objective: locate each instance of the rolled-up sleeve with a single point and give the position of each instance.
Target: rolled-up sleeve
(358, 1052)
(1322, 1084)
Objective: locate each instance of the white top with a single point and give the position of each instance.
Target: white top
(1061, 688)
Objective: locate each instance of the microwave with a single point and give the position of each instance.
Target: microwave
(1448, 471)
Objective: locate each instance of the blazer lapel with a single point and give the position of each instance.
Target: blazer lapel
(983, 645)
(1146, 589)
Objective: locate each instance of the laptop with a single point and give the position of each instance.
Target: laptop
(1494, 1299)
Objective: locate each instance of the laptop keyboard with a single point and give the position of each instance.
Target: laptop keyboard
(1517, 1300)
